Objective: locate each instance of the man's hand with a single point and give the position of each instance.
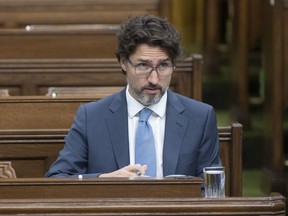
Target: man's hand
(127, 171)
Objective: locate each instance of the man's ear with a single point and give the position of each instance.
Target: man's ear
(123, 63)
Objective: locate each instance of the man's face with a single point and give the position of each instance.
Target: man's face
(149, 88)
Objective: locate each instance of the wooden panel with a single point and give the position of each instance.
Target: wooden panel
(34, 166)
(269, 205)
(33, 188)
(31, 152)
(65, 42)
(39, 112)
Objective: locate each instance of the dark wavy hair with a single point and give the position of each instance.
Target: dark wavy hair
(150, 30)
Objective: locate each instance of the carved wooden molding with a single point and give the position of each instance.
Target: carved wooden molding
(4, 92)
(6, 170)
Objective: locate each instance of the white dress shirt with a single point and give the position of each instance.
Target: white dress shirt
(157, 122)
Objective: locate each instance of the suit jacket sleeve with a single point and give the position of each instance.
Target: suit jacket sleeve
(72, 159)
(208, 154)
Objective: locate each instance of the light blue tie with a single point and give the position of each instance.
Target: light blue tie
(144, 146)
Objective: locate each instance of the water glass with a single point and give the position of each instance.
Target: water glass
(214, 182)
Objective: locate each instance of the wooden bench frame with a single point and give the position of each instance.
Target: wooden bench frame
(26, 12)
(35, 76)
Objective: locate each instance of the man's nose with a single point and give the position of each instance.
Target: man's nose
(153, 76)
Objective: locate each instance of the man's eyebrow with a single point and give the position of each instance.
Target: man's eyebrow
(150, 61)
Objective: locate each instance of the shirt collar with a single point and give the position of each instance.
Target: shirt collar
(134, 107)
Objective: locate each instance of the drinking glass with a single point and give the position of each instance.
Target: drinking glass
(214, 182)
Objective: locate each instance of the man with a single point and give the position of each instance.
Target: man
(182, 133)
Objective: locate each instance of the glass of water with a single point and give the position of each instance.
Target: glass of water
(214, 182)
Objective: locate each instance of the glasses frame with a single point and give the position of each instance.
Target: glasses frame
(152, 69)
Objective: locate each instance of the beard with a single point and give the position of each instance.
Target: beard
(149, 99)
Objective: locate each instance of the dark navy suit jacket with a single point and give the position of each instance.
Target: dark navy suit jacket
(98, 139)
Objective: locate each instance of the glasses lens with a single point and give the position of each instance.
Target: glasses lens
(160, 70)
(164, 70)
(143, 68)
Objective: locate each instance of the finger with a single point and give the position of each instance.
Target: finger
(143, 169)
(137, 172)
(134, 170)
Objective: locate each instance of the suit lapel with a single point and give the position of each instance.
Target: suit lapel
(117, 125)
(175, 128)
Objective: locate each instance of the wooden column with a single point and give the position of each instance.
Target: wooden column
(184, 18)
(211, 34)
(240, 46)
(273, 171)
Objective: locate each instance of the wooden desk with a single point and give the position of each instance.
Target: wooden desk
(48, 188)
(270, 205)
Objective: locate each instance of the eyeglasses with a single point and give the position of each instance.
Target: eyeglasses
(144, 69)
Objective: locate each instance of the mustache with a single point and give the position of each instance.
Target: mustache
(151, 86)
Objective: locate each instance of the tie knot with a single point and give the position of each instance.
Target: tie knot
(145, 114)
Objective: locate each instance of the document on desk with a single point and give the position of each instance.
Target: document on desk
(176, 176)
